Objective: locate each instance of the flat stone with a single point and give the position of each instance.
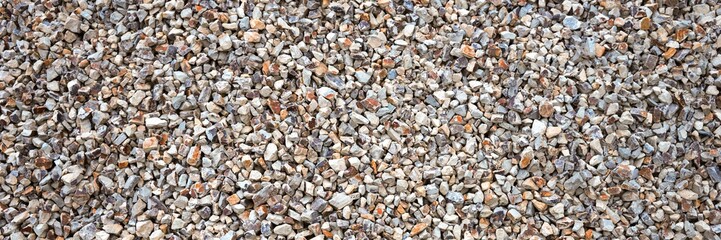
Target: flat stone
(508, 35)
(362, 77)
(157, 235)
(180, 76)
(337, 164)
(418, 228)
(571, 22)
(546, 110)
(358, 119)
(454, 197)
(271, 152)
(607, 225)
(72, 23)
(177, 224)
(150, 144)
(155, 122)
(553, 131)
(283, 230)
(224, 43)
(113, 228)
(714, 173)
(71, 178)
(144, 228)
(688, 194)
(340, 200)
(538, 128)
(137, 97)
(665, 97)
(376, 41)
(422, 119)
(557, 211)
(251, 37)
(257, 24)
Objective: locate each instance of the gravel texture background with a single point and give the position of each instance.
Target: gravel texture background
(413, 119)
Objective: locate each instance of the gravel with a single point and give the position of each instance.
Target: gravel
(360, 119)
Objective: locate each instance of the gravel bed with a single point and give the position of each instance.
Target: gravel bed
(404, 119)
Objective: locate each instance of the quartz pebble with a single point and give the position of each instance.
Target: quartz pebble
(155, 123)
(553, 131)
(403, 119)
(340, 200)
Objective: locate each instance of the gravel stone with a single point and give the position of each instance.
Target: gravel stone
(271, 152)
(571, 22)
(155, 123)
(340, 200)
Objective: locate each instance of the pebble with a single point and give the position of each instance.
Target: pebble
(340, 200)
(418, 228)
(688, 194)
(508, 35)
(538, 128)
(271, 152)
(251, 37)
(225, 43)
(362, 77)
(553, 131)
(571, 22)
(157, 235)
(422, 119)
(607, 225)
(665, 97)
(376, 41)
(557, 210)
(454, 197)
(155, 122)
(283, 230)
(714, 173)
(546, 110)
(257, 24)
(144, 228)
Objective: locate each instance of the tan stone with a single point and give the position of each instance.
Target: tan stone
(251, 37)
(546, 110)
(418, 228)
(645, 23)
(233, 199)
(150, 144)
(468, 51)
(257, 24)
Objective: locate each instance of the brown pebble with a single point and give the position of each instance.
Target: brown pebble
(645, 23)
(419, 227)
(546, 110)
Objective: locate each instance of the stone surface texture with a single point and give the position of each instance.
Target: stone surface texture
(388, 119)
